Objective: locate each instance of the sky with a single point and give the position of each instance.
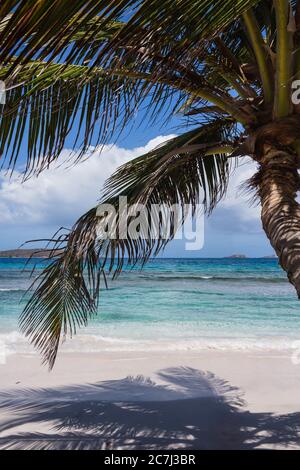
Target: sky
(37, 208)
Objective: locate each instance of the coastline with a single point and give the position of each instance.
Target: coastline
(195, 400)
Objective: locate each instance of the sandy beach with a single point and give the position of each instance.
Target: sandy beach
(136, 400)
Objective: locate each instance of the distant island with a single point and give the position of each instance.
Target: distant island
(241, 256)
(44, 253)
(26, 253)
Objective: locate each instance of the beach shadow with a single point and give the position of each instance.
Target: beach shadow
(187, 409)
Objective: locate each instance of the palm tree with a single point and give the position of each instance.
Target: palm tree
(227, 66)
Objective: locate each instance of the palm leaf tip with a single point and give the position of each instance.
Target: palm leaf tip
(61, 304)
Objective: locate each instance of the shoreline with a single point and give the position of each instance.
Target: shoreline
(154, 400)
(91, 342)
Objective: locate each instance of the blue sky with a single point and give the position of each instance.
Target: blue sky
(39, 207)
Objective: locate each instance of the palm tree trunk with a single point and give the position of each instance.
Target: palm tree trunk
(278, 182)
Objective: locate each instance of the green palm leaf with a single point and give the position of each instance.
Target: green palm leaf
(184, 170)
(46, 27)
(49, 102)
(120, 64)
(45, 103)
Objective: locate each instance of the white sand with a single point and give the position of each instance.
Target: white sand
(204, 400)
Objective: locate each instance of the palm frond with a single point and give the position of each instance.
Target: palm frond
(140, 177)
(184, 170)
(286, 27)
(259, 47)
(131, 52)
(96, 69)
(45, 28)
(62, 301)
(45, 102)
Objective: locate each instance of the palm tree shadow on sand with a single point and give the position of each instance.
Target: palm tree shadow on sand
(188, 409)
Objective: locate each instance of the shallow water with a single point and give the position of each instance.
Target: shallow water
(174, 304)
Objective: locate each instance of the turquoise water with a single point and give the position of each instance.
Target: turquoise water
(174, 304)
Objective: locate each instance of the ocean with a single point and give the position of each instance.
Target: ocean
(173, 304)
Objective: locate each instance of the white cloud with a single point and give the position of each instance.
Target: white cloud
(38, 207)
(59, 195)
(236, 212)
